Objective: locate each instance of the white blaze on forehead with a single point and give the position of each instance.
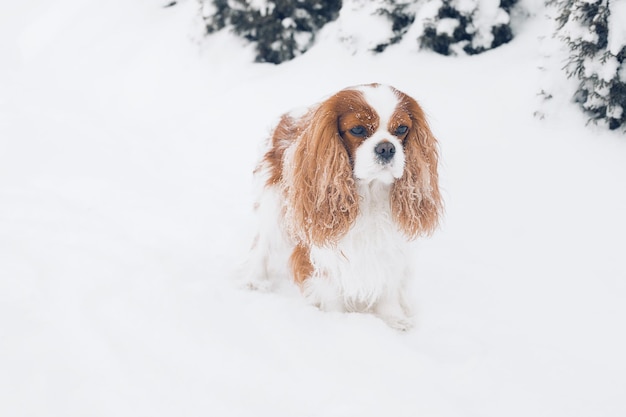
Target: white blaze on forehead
(368, 166)
(383, 100)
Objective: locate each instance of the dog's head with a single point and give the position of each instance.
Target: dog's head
(365, 134)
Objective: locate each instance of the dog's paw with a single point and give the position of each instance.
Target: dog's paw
(255, 282)
(400, 323)
(394, 312)
(249, 278)
(258, 285)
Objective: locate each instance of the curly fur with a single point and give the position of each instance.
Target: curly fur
(320, 192)
(415, 199)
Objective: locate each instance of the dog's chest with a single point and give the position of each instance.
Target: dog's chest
(371, 258)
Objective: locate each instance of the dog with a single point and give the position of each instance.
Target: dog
(344, 187)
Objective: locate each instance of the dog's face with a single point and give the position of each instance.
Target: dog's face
(373, 127)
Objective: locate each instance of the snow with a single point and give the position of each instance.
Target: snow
(574, 30)
(361, 26)
(617, 29)
(605, 71)
(126, 151)
(484, 19)
(447, 26)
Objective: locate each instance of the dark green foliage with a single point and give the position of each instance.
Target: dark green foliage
(401, 17)
(440, 42)
(281, 30)
(601, 91)
(465, 35)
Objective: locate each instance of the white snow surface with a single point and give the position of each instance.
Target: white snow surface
(126, 152)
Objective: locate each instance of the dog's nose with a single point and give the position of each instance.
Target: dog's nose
(385, 151)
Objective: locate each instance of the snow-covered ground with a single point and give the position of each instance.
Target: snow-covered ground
(126, 151)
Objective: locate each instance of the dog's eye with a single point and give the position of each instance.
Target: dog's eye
(401, 130)
(358, 131)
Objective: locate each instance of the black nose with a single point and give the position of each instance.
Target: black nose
(385, 151)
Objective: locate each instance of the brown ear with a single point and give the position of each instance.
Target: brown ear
(415, 199)
(322, 190)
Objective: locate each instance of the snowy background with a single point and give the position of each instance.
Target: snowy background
(126, 151)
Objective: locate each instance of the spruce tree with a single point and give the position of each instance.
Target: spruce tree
(596, 57)
(467, 26)
(280, 29)
(400, 16)
(374, 25)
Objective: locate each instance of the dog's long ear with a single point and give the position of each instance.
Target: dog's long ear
(322, 192)
(416, 202)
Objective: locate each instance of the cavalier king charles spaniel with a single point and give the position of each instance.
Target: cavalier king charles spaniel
(344, 187)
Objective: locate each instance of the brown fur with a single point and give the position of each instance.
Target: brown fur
(300, 263)
(285, 132)
(415, 198)
(323, 192)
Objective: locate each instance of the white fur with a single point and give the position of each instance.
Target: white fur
(268, 261)
(382, 99)
(367, 269)
(368, 168)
